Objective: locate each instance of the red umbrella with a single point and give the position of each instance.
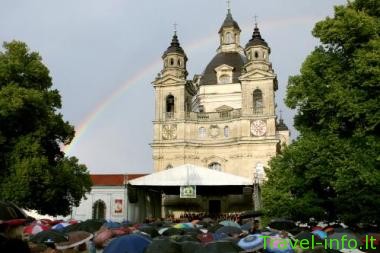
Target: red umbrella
(35, 228)
(375, 236)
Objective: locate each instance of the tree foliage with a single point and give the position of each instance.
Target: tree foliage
(332, 170)
(34, 173)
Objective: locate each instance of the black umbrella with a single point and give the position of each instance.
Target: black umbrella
(163, 245)
(184, 238)
(173, 231)
(49, 236)
(190, 247)
(220, 247)
(282, 224)
(149, 230)
(228, 230)
(90, 226)
(214, 228)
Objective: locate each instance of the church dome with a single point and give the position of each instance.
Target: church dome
(174, 47)
(256, 39)
(233, 59)
(229, 22)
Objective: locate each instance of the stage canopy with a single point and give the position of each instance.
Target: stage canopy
(189, 174)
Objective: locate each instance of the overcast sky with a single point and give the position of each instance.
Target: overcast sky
(103, 55)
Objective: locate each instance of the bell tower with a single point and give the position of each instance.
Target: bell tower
(170, 83)
(229, 35)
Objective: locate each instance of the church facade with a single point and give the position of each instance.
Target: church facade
(223, 119)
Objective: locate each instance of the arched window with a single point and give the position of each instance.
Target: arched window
(170, 106)
(215, 166)
(224, 79)
(256, 54)
(169, 166)
(202, 132)
(257, 102)
(99, 210)
(226, 131)
(229, 38)
(179, 62)
(171, 61)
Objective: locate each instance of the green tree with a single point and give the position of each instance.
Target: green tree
(34, 172)
(332, 170)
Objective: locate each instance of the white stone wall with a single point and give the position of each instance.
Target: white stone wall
(108, 194)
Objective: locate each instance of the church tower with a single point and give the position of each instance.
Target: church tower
(223, 119)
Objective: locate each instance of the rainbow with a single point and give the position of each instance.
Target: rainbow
(147, 70)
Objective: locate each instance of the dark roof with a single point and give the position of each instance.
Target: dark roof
(233, 59)
(256, 39)
(229, 22)
(281, 126)
(174, 47)
(113, 179)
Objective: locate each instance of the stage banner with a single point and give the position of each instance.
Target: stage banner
(118, 206)
(188, 192)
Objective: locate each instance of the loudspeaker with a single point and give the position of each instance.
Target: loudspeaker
(132, 195)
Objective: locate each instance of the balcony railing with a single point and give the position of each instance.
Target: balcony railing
(211, 116)
(169, 115)
(258, 110)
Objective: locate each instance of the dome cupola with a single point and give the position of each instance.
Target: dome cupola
(175, 58)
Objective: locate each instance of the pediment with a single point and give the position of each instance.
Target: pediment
(224, 67)
(257, 74)
(170, 80)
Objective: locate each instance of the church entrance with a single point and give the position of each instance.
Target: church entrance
(99, 210)
(214, 207)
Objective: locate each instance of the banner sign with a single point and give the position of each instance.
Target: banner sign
(118, 206)
(188, 192)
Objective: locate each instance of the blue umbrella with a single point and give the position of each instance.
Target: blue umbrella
(112, 224)
(251, 242)
(128, 244)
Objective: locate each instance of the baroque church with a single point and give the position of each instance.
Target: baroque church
(223, 119)
(215, 133)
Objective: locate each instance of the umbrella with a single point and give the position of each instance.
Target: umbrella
(205, 238)
(192, 231)
(346, 240)
(102, 237)
(375, 236)
(127, 244)
(251, 242)
(35, 228)
(320, 233)
(190, 247)
(276, 244)
(164, 245)
(112, 224)
(90, 226)
(247, 226)
(173, 231)
(162, 230)
(282, 224)
(183, 238)
(228, 230)
(220, 247)
(49, 236)
(214, 228)
(183, 225)
(11, 214)
(75, 238)
(229, 223)
(60, 226)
